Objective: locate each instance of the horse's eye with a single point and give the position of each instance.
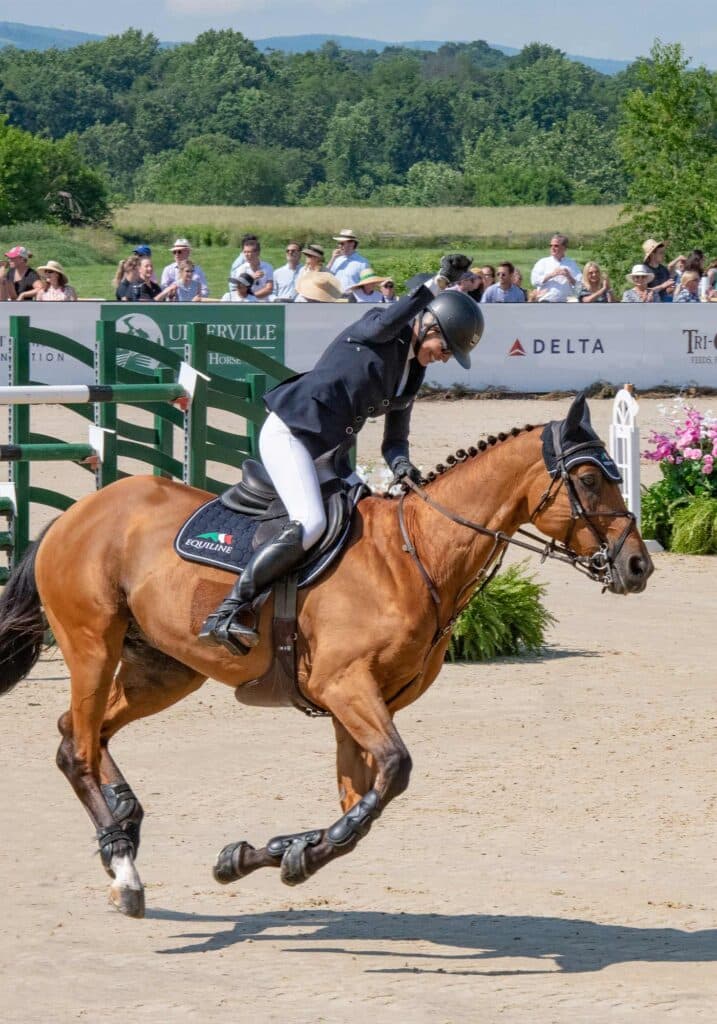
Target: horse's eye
(589, 481)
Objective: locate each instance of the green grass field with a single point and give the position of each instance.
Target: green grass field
(399, 241)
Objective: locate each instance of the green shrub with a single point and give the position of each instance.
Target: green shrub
(504, 619)
(659, 504)
(695, 528)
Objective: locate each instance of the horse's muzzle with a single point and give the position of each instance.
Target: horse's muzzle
(631, 571)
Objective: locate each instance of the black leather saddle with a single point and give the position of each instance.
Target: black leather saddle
(255, 496)
(226, 530)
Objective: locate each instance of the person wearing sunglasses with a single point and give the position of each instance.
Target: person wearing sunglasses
(388, 291)
(181, 251)
(374, 367)
(285, 277)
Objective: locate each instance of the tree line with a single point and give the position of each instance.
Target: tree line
(216, 121)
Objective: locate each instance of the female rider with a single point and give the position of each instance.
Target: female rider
(374, 367)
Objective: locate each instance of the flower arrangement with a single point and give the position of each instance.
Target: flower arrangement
(680, 511)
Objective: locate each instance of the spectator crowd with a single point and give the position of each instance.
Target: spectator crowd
(346, 275)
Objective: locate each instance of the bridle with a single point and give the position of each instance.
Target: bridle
(598, 566)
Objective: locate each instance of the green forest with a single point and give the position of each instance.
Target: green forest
(216, 121)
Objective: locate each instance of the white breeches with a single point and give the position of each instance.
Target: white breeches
(292, 471)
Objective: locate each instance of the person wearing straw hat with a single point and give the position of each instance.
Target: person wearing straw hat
(374, 367)
(318, 286)
(639, 277)
(314, 258)
(346, 262)
(365, 288)
(181, 251)
(663, 283)
(56, 288)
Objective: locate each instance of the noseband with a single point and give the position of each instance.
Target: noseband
(599, 565)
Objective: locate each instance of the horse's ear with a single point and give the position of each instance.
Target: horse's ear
(577, 413)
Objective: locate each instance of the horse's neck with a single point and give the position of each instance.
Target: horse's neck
(489, 489)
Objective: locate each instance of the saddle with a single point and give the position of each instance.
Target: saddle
(226, 530)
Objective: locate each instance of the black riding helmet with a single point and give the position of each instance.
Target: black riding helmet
(461, 322)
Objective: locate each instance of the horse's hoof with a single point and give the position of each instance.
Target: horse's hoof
(293, 864)
(228, 865)
(128, 901)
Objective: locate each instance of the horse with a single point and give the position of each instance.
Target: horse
(125, 610)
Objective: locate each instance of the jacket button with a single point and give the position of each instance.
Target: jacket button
(370, 410)
(358, 420)
(385, 401)
(349, 430)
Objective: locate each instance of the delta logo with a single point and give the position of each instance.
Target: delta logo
(559, 347)
(221, 542)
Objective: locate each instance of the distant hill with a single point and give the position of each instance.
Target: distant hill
(300, 44)
(33, 37)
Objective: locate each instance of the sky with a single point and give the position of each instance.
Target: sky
(611, 28)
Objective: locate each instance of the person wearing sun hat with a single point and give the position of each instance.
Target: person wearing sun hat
(662, 284)
(639, 277)
(318, 286)
(314, 258)
(56, 287)
(346, 262)
(365, 289)
(22, 281)
(181, 250)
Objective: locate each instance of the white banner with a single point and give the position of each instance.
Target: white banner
(539, 347)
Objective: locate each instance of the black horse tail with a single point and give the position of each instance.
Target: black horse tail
(22, 622)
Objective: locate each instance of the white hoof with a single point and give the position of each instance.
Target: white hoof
(127, 891)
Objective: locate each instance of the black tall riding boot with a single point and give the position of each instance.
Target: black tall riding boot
(268, 563)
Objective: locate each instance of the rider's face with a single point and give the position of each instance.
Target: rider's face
(433, 348)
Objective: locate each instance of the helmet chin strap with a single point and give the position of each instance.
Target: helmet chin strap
(423, 329)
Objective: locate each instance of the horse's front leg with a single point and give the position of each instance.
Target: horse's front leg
(373, 767)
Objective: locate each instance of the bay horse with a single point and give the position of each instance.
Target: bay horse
(125, 611)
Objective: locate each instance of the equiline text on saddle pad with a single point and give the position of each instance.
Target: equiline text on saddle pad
(218, 535)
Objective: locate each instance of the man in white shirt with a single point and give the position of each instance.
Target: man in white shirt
(285, 277)
(249, 262)
(346, 262)
(557, 277)
(181, 250)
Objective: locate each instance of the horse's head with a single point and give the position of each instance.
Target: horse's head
(582, 506)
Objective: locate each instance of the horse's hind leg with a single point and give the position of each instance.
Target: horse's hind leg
(373, 767)
(92, 659)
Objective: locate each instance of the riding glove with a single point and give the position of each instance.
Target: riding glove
(402, 468)
(453, 266)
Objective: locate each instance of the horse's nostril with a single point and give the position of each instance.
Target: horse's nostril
(637, 566)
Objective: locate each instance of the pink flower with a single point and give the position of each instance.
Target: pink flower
(695, 454)
(708, 465)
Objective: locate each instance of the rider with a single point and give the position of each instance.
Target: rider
(374, 367)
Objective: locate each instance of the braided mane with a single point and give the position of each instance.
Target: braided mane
(463, 454)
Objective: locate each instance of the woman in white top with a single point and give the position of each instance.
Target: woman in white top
(56, 287)
(241, 292)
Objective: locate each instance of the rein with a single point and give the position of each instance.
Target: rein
(597, 566)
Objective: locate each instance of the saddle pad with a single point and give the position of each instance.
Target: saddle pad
(216, 535)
